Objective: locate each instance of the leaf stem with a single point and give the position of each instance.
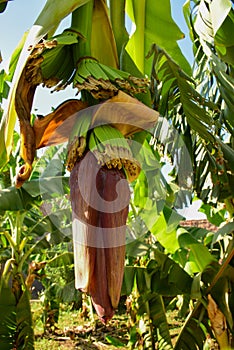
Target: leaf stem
(117, 15)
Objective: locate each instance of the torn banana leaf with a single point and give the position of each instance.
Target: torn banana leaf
(46, 23)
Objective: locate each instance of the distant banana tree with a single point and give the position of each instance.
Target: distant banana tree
(25, 232)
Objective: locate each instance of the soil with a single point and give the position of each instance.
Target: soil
(73, 333)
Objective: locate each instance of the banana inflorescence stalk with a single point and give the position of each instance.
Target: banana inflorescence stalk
(99, 159)
(99, 232)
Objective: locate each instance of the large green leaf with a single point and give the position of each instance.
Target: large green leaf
(165, 234)
(149, 302)
(151, 18)
(24, 331)
(226, 85)
(162, 276)
(46, 186)
(191, 111)
(219, 10)
(167, 277)
(7, 318)
(159, 320)
(216, 280)
(198, 255)
(223, 231)
(4, 90)
(4, 87)
(15, 199)
(178, 86)
(214, 22)
(194, 332)
(57, 224)
(223, 23)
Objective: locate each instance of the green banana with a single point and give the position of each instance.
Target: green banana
(112, 150)
(77, 141)
(51, 62)
(96, 69)
(103, 82)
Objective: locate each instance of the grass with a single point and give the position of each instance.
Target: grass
(74, 332)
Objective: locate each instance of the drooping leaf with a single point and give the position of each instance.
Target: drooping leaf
(7, 318)
(47, 21)
(167, 277)
(193, 334)
(25, 334)
(159, 320)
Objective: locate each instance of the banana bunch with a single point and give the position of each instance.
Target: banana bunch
(76, 56)
(104, 81)
(51, 62)
(112, 150)
(77, 140)
(109, 146)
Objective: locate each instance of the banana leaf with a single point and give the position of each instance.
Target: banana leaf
(194, 331)
(7, 318)
(162, 276)
(151, 18)
(16, 328)
(24, 331)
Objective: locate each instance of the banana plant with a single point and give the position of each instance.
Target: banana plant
(209, 27)
(183, 99)
(198, 106)
(197, 269)
(25, 234)
(182, 256)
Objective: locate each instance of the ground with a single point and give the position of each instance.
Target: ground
(73, 332)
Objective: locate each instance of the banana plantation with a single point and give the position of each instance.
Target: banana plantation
(93, 194)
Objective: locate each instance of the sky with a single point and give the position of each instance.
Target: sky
(20, 15)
